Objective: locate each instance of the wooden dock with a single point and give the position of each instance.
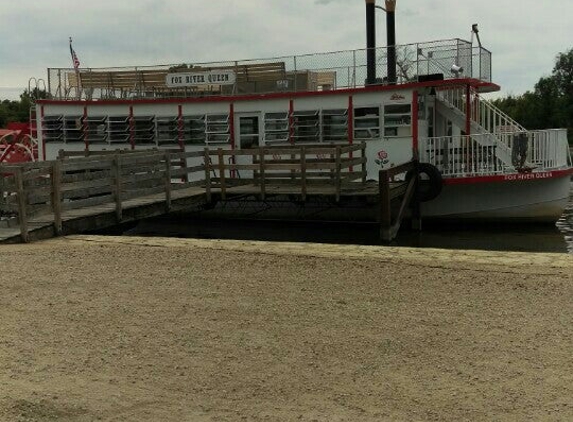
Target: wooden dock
(79, 192)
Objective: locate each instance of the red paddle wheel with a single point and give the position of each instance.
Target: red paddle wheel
(17, 144)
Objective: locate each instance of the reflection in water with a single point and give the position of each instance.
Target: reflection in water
(565, 224)
(524, 238)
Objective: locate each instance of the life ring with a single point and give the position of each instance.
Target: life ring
(431, 181)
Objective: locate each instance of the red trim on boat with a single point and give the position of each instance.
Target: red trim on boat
(278, 95)
(512, 177)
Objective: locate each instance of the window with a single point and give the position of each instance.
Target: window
(397, 120)
(367, 123)
(96, 129)
(217, 128)
(306, 126)
(248, 132)
(167, 130)
(118, 127)
(276, 127)
(334, 125)
(144, 130)
(194, 129)
(53, 128)
(73, 129)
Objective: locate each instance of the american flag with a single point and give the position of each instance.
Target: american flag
(75, 59)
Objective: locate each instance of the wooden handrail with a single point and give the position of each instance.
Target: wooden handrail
(79, 181)
(57, 195)
(116, 168)
(22, 203)
(389, 226)
(167, 181)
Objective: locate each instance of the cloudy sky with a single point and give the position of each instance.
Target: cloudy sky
(524, 35)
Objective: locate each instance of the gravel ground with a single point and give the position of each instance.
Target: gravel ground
(152, 329)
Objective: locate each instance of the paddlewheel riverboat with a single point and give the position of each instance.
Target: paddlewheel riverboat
(419, 101)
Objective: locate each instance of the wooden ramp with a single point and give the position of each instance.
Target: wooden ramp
(81, 193)
(103, 216)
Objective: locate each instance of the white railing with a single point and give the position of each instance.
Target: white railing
(457, 156)
(486, 119)
(490, 118)
(546, 149)
(482, 155)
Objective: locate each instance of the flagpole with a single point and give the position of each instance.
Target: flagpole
(75, 63)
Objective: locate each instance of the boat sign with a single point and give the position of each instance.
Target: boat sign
(529, 176)
(210, 77)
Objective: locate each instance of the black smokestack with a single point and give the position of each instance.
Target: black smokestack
(370, 42)
(391, 39)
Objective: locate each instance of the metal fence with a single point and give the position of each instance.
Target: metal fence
(308, 72)
(501, 153)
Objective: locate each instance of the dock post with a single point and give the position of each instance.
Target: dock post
(3, 193)
(363, 150)
(167, 181)
(338, 172)
(57, 195)
(416, 210)
(22, 212)
(262, 172)
(222, 173)
(207, 163)
(303, 172)
(385, 210)
(116, 170)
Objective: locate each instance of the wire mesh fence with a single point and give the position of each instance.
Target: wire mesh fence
(454, 58)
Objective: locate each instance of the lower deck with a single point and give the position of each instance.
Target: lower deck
(76, 195)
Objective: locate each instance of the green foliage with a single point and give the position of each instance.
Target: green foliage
(550, 104)
(19, 111)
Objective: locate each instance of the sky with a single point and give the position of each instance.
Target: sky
(524, 36)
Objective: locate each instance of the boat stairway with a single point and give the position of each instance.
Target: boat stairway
(488, 138)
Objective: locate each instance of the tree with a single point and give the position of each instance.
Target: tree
(563, 75)
(546, 102)
(550, 104)
(19, 111)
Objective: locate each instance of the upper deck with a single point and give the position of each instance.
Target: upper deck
(287, 74)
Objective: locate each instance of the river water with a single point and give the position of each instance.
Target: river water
(557, 238)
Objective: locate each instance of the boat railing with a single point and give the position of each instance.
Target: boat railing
(300, 73)
(494, 154)
(489, 117)
(545, 149)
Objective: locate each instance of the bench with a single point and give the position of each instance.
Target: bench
(325, 81)
(254, 77)
(117, 79)
(255, 72)
(250, 78)
(110, 82)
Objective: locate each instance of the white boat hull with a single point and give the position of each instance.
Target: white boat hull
(517, 200)
(540, 201)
